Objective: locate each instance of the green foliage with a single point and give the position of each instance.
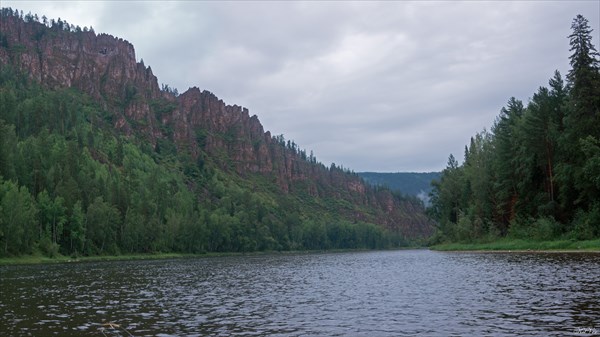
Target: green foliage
(536, 175)
(160, 107)
(541, 229)
(519, 245)
(76, 230)
(70, 185)
(586, 224)
(103, 221)
(589, 181)
(17, 223)
(52, 216)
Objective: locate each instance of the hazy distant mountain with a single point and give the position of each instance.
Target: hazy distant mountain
(409, 183)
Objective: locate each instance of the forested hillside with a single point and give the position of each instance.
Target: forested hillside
(96, 158)
(536, 174)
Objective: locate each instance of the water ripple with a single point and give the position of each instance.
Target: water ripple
(394, 293)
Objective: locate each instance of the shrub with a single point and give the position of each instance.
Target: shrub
(586, 225)
(540, 229)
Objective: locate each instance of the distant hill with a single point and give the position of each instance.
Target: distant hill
(408, 183)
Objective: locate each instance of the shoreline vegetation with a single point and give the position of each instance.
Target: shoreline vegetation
(518, 245)
(499, 246)
(39, 258)
(531, 181)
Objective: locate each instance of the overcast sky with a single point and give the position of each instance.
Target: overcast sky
(372, 86)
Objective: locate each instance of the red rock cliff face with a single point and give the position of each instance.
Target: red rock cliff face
(105, 68)
(102, 66)
(204, 122)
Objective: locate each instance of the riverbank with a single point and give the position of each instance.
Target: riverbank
(504, 245)
(41, 259)
(512, 245)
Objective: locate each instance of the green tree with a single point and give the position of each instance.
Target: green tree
(133, 231)
(541, 131)
(76, 229)
(478, 194)
(102, 225)
(582, 118)
(536, 175)
(446, 196)
(584, 78)
(314, 235)
(52, 214)
(506, 165)
(8, 139)
(18, 214)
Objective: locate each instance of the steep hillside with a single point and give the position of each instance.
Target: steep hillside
(191, 157)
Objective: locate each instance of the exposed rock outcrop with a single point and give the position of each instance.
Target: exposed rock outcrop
(105, 68)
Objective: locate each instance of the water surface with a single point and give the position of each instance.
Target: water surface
(390, 293)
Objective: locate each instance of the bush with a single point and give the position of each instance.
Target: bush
(463, 230)
(586, 225)
(541, 229)
(545, 229)
(48, 248)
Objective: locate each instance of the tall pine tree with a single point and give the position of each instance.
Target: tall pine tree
(581, 121)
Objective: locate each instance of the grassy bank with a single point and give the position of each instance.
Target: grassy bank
(41, 259)
(522, 245)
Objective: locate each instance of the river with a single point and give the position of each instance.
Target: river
(380, 293)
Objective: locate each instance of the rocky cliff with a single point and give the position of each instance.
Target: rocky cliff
(197, 122)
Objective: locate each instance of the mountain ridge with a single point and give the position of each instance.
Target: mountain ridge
(195, 124)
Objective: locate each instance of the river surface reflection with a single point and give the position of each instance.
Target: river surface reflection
(388, 293)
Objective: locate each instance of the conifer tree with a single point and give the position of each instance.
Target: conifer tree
(581, 119)
(584, 79)
(505, 162)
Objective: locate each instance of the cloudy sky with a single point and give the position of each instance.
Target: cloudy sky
(372, 86)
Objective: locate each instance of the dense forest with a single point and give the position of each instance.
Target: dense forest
(536, 174)
(97, 164)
